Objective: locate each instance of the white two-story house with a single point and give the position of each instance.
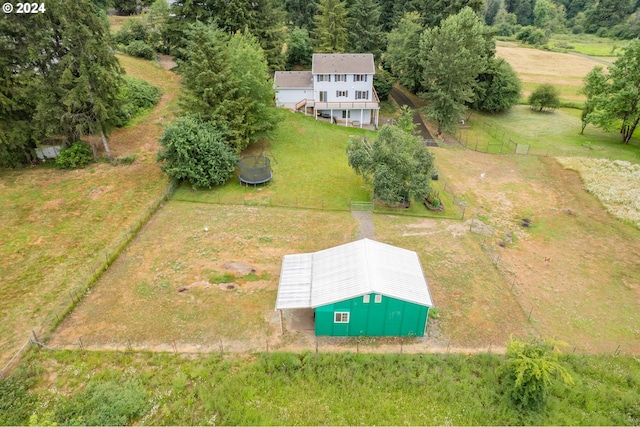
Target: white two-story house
(338, 87)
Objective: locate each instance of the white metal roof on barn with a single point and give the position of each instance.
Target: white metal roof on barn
(351, 270)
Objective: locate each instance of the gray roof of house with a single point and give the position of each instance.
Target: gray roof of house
(293, 80)
(345, 63)
(351, 270)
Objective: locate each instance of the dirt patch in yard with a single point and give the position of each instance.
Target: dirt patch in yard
(570, 269)
(173, 283)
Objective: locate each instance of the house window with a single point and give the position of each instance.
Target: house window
(378, 299)
(340, 93)
(341, 317)
(341, 77)
(362, 94)
(359, 77)
(346, 114)
(323, 96)
(366, 298)
(323, 77)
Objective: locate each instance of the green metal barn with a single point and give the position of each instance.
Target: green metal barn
(363, 288)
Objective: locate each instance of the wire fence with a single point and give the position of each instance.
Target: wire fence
(454, 207)
(87, 277)
(487, 138)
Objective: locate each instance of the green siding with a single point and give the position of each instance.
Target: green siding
(390, 317)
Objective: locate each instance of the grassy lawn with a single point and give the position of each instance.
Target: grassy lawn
(58, 226)
(309, 165)
(553, 133)
(312, 389)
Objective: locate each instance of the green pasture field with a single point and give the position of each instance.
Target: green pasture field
(112, 388)
(588, 44)
(554, 133)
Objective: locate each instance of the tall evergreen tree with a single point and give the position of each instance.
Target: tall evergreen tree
(493, 6)
(300, 13)
(607, 13)
(226, 82)
(434, 11)
(331, 26)
(392, 12)
(364, 28)
(17, 138)
(403, 52)
(77, 83)
(263, 18)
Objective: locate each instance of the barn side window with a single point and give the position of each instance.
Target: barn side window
(341, 317)
(378, 299)
(366, 299)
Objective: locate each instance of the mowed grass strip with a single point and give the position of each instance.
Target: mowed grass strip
(310, 169)
(58, 225)
(139, 297)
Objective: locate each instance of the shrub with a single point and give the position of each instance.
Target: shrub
(544, 97)
(530, 372)
(533, 36)
(16, 402)
(136, 95)
(105, 404)
(498, 87)
(133, 29)
(76, 156)
(197, 151)
(140, 49)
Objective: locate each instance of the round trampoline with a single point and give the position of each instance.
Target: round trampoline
(255, 170)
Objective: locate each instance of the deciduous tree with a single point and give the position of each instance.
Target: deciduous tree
(396, 163)
(299, 50)
(615, 96)
(452, 57)
(545, 97)
(498, 88)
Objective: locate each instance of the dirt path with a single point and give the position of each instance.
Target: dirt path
(593, 58)
(402, 99)
(366, 229)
